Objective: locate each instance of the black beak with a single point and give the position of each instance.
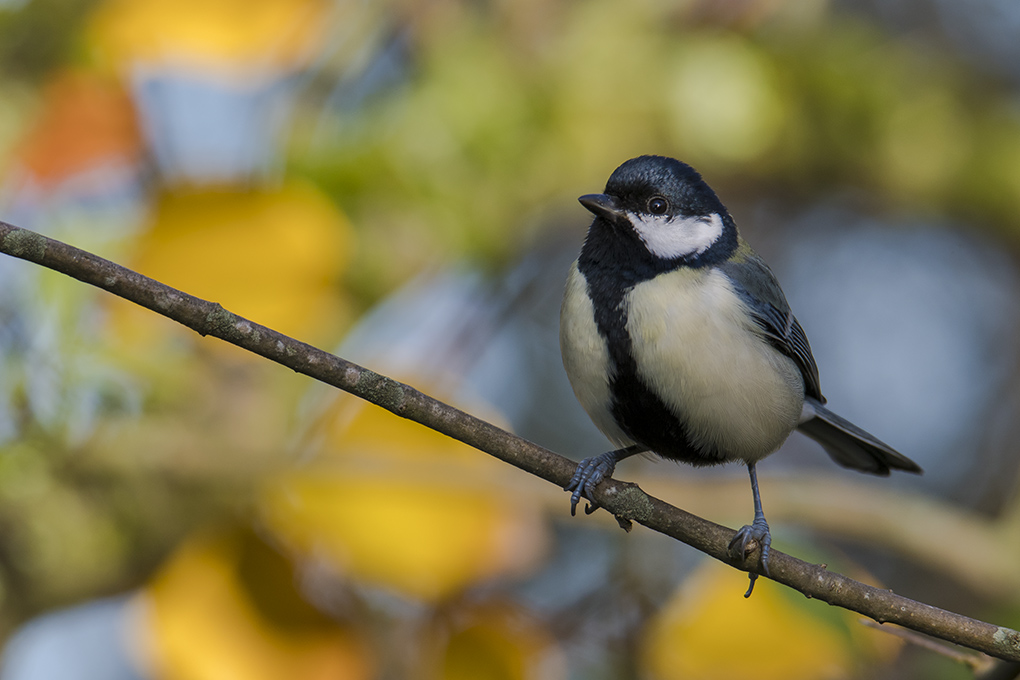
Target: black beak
(602, 205)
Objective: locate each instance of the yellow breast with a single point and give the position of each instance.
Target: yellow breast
(697, 348)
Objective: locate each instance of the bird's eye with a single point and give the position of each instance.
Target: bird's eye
(658, 205)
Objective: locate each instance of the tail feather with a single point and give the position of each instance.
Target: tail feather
(849, 445)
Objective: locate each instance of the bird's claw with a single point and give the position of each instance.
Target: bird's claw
(749, 537)
(589, 473)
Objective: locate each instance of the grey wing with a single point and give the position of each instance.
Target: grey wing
(758, 286)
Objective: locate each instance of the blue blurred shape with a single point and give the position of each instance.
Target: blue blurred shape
(913, 326)
(213, 128)
(88, 642)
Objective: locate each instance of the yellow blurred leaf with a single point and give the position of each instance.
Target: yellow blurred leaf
(708, 630)
(394, 503)
(278, 33)
(274, 256)
(424, 538)
(225, 606)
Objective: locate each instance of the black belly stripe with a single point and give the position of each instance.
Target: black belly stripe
(639, 412)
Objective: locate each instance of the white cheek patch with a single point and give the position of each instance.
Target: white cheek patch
(669, 237)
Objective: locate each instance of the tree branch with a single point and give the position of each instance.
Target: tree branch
(626, 501)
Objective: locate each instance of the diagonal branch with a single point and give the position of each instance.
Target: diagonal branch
(626, 501)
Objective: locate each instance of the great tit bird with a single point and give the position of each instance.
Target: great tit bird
(678, 340)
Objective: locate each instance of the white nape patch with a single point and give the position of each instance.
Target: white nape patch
(668, 237)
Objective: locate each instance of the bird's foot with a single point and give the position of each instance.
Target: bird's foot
(751, 536)
(590, 472)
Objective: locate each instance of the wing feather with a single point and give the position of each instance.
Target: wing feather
(771, 312)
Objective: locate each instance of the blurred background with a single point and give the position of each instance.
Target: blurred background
(398, 181)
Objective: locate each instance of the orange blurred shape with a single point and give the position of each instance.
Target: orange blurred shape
(708, 631)
(273, 256)
(403, 507)
(494, 640)
(225, 606)
(264, 33)
(85, 121)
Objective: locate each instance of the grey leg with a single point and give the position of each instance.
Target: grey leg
(757, 531)
(591, 471)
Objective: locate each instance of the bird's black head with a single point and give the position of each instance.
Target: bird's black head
(662, 209)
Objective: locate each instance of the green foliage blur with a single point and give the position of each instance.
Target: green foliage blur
(506, 116)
